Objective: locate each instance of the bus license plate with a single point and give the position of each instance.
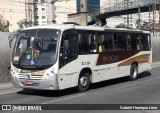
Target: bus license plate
(29, 83)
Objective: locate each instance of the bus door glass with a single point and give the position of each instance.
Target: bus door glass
(68, 47)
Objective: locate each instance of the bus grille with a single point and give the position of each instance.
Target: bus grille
(31, 77)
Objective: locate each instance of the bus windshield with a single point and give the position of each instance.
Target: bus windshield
(36, 48)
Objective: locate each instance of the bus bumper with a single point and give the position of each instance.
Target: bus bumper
(47, 84)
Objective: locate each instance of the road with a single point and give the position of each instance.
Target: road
(145, 90)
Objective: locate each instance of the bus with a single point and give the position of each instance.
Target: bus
(60, 56)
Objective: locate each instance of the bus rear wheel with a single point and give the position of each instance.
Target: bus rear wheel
(83, 82)
(133, 72)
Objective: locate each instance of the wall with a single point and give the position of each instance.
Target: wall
(156, 48)
(5, 56)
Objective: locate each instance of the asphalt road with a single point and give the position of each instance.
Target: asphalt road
(145, 90)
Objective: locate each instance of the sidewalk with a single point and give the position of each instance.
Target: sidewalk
(6, 86)
(155, 63)
(9, 85)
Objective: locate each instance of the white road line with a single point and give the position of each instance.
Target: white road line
(62, 99)
(9, 92)
(158, 77)
(156, 66)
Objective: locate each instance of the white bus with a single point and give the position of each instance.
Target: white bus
(56, 57)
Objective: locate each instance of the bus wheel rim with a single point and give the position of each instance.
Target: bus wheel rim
(134, 73)
(83, 81)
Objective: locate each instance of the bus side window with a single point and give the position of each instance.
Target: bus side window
(138, 42)
(92, 42)
(120, 41)
(129, 42)
(83, 42)
(101, 43)
(145, 42)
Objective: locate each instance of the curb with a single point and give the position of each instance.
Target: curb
(155, 63)
(6, 86)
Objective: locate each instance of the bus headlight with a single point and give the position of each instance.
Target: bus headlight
(48, 75)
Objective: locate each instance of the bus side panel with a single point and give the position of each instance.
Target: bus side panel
(69, 73)
(143, 58)
(124, 71)
(104, 72)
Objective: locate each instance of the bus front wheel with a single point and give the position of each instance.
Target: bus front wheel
(133, 72)
(83, 82)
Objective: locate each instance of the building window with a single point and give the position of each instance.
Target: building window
(43, 1)
(43, 9)
(37, 17)
(36, 9)
(43, 17)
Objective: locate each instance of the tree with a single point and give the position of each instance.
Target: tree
(121, 25)
(4, 24)
(24, 23)
(142, 25)
(145, 26)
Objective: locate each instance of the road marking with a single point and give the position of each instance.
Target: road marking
(156, 66)
(9, 92)
(63, 99)
(158, 77)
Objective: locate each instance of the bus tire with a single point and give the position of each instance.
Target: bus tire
(133, 72)
(83, 82)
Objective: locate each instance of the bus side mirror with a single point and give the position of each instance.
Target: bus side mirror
(11, 38)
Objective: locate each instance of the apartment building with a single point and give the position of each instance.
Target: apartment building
(40, 12)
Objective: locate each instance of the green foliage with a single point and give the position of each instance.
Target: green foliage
(24, 23)
(122, 25)
(4, 24)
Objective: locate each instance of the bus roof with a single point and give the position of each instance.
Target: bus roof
(95, 28)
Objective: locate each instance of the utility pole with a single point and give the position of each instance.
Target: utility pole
(127, 14)
(83, 9)
(28, 10)
(51, 11)
(139, 17)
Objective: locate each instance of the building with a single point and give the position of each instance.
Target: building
(61, 9)
(92, 5)
(13, 11)
(76, 17)
(40, 12)
(64, 8)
